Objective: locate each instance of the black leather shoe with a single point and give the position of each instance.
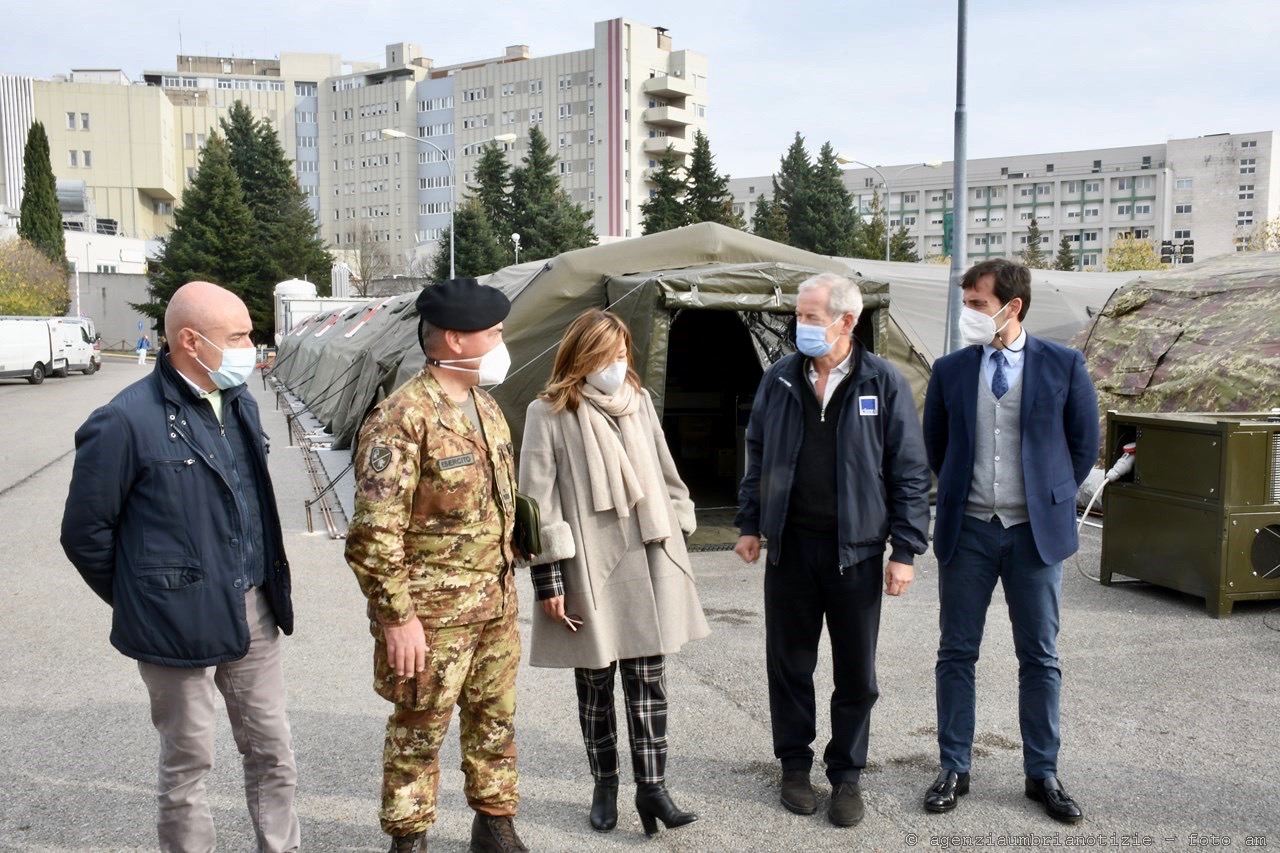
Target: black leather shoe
(943, 793)
(797, 792)
(846, 807)
(1057, 802)
(654, 804)
(604, 806)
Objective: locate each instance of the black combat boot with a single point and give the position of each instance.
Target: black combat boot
(413, 843)
(495, 834)
(654, 804)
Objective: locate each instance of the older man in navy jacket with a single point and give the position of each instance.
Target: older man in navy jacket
(1011, 428)
(836, 474)
(172, 521)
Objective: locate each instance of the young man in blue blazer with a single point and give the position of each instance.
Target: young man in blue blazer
(1011, 431)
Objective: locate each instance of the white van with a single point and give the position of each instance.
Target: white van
(30, 349)
(85, 354)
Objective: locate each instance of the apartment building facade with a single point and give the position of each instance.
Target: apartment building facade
(1205, 195)
(608, 111)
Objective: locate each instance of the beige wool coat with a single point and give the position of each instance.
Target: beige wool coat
(635, 600)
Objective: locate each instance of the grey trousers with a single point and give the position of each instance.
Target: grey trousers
(182, 710)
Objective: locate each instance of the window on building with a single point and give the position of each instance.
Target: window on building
(1246, 191)
(1122, 184)
(1124, 209)
(535, 116)
(910, 198)
(1244, 217)
(535, 87)
(1145, 182)
(1142, 209)
(566, 110)
(73, 158)
(1025, 216)
(88, 158)
(200, 140)
(1248, 165)
(591, 108)
(1091, 236)
(908, 220)
(191, 174)
(566, 167)
(1182, 233)
(1248, 143)
(1026, 192)
(1089, 260)
(1044, 189)
(304, 90)
(1093, 186)
(995, 239)
(189, 140)
(1091, 212)
(161, 208)
(71, 121)
(1184, 183)
(1182, 208)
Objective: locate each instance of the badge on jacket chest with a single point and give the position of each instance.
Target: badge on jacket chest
(457, 461)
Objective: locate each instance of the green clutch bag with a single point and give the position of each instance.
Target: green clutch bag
(528, 526)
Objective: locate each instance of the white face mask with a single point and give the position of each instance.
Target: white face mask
(237, 365)
(493, 365)
(608, 379)
(979, 328)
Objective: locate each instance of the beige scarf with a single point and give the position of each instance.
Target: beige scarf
(622, 463)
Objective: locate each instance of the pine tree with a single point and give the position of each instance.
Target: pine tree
(666, 208)
(834, 224)
(1066, 259)
(791, 194)
(476, 251)
(871, 232)
(902, 247)
(41, 220)
(493, 190)
(708, 198)
(288, 243)
(212, 238)
(1033, 256)
(768, 221)
(544, 216)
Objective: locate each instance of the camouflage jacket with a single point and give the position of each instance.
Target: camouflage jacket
(434, 510)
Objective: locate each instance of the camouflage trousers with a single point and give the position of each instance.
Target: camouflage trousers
(473, 666)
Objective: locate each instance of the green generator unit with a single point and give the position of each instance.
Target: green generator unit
(1200, 511)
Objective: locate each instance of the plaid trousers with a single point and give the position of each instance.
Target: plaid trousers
(644, 689)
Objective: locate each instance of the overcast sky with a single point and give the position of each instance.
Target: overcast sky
(876, 79)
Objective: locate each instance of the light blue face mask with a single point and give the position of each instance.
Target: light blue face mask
(812, 340)
(237, 365)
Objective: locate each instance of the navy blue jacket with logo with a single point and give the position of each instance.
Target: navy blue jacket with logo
(882, 476)
(153, 527)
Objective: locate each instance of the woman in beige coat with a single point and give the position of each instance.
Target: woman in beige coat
(614, 577)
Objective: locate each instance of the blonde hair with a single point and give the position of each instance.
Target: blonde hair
(588, 345)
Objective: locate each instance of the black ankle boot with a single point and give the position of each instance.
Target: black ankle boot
(604, 806)
(654, 804)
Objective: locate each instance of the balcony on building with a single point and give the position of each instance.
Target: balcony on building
(667, 117)
(658, 145)
(668, 86)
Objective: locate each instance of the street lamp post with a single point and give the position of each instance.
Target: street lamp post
(515, 238)
(931, 164)
(391, 133)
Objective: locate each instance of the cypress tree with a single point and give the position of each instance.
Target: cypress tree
(41, 220)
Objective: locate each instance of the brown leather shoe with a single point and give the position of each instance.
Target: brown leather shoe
(495, 834)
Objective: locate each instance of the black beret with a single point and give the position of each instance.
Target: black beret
(462, 305)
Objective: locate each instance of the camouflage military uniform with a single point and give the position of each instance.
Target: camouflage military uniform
(431, 539)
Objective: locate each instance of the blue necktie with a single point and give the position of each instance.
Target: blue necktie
(999, 382)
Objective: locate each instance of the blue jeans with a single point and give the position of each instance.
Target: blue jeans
(987, 552)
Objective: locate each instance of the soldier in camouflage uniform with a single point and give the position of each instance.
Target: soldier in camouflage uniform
(431, 545)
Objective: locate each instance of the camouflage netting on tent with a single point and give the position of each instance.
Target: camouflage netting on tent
(341, 363)
(1200, 338)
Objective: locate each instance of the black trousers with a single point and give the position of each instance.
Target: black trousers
(802, 589)
(644, 692)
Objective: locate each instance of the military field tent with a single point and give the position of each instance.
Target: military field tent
(1062, 303)
(709, 308)
(1199, 338)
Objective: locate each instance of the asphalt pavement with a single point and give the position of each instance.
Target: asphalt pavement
(1169, 717)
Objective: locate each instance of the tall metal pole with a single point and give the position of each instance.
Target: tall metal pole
(960, 205)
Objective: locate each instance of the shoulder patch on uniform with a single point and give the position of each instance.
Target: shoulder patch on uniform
(379, 458)
(457, 461)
